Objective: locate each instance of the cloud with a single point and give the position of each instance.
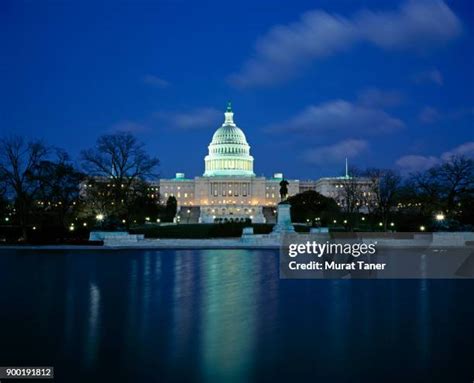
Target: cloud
(335, 153)
(466, 149)
(286, 49)
(461, 113)
(196, 118)
(191, 119)
(417, 24)
(155, 81)
(428, 115)
(412, 163)
(341, 115)
(433, 76)
(129, 127)
(377, 98)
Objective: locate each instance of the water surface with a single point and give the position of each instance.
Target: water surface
(225, 316)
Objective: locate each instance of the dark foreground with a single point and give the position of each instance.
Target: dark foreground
(225, 316)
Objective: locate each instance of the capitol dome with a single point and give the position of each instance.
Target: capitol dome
(229, 152)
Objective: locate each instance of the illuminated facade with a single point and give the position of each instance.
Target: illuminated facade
(228, 189)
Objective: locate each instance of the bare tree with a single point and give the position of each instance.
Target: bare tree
(385, 186)
(120, 163)
(352, 191)
(19, 162)
(457, 179)
(59, 186)
(3, 202)
(442, 187)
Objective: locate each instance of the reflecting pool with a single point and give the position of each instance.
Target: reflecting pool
(225, 316)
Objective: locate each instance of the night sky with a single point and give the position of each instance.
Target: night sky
(387, 84)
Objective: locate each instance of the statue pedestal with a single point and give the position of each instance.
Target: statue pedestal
(283, 224)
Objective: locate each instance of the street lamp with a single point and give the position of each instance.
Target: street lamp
(100, 218)
(422, 228)
(439, 217)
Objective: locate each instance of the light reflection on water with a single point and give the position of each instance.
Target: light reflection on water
(92, 333)
(424, 321)
(183, 307)
(220, 316)
(228, 311)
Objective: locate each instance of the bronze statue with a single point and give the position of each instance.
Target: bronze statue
(284, 189)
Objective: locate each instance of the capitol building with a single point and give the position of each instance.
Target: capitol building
(229, 190)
